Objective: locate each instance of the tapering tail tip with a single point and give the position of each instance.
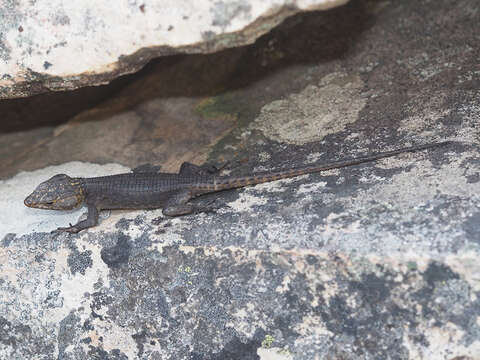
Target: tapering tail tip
(422, 147)
(432, 145)
(443, 143)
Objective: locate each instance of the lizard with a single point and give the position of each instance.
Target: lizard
(146, 188)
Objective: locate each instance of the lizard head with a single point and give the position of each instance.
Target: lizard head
(60, 192)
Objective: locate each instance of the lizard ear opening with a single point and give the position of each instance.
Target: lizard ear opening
(72, 196)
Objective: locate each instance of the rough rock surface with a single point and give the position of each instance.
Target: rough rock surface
(59, 44)
(378, 261)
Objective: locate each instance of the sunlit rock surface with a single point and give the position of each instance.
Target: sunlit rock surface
(377, 261)
(61, 44)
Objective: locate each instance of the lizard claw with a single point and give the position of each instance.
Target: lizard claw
(213, 169)
(72, 229)
(208, 208)
(221, 167)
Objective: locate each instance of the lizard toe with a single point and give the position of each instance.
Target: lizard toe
(71, 229)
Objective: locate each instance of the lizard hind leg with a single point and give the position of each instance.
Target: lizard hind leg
(177, 210)
(205, 170)
(178, 205)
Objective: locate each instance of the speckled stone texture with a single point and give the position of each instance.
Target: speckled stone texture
(378, 261)
(60, 44)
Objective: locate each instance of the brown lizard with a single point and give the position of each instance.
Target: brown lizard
(149, 189)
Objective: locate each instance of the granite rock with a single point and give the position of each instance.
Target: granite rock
(63, 45)
(378, 261)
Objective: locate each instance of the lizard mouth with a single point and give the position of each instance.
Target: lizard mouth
(28, 202)
(32, 204)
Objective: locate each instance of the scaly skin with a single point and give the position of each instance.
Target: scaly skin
(148, 189)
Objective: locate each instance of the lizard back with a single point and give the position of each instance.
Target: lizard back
(139, 190)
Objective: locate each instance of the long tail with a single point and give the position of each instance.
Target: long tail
(231, 182)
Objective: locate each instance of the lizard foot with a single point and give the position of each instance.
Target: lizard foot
(213, 169)
(72, 229)
(207, 209)
(158, 220)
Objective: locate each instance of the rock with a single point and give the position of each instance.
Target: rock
(377, 261)
(62, 45)
(314, 113)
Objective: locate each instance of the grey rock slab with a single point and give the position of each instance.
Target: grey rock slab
(378, 261)
(79, 299)
(59, 45)
(316, 266)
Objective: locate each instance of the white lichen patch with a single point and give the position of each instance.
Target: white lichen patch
(444, 342)
(246, 201)
(313, 158)
(284, 286)
(421, 183)
(264, 156)
(312, 325)
(73, 287)
(116, 337)
(249, 198)
(468, 266)
(241, 320)
(407, 197)
(315, 112)
(368, 178)
(312, 187)
(109, 225)
(168, 235)
(274, 353)
(468, 129)
(425, 120)
(332, 227)
(44, 289)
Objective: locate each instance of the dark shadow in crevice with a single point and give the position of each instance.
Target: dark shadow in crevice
(306, 38)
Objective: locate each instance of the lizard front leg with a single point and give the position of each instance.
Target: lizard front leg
(91, 220)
